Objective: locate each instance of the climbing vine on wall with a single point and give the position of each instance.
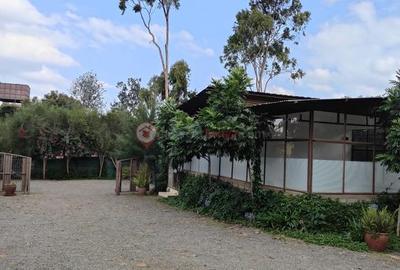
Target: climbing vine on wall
(224, 127)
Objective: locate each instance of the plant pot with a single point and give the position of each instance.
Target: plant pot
(376, 241)
(141, 191)
(9, 189)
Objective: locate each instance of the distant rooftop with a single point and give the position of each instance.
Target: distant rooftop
(15, 93)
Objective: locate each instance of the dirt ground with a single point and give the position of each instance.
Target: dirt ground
(83, 225)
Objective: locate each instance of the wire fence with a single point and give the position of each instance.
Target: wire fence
(15, 169)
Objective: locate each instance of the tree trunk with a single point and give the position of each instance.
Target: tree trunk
(44, 168)
(398, 221)
(68, 160)
(209, 168)
(170, 175)
(166, 68)
(101, 159)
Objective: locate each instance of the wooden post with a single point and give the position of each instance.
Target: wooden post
(24, 169)
(7, 168)
(118, 178)
(28, 175)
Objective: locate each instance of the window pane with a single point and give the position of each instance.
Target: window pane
(360, 134)
(327, 168)
(278, 129)
(298, 126)
(296, 165)
(358, 174)
(356, 119)
(329, 131)
(386, 181)
(327, 117)
(274, 165)
(239, 169)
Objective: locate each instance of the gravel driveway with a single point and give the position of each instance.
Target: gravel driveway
(83, 225)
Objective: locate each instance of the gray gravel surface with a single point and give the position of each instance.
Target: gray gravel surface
(83, 225)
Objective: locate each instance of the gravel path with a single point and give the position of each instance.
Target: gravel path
(83, 225)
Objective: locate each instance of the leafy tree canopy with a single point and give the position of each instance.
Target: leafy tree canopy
(262, 37)
(89, 91)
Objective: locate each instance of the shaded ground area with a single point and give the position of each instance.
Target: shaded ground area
(83, 225)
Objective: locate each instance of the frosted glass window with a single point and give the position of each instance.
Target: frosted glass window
(214, 165)
(327, 168)
(203, 166)
(239, 170)
(358, 174)
(298, 126)
(274, 164)
(386, 181)
(296, 165)
(195, 164)
(226, 167)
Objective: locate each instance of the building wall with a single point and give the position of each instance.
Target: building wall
(336, 169)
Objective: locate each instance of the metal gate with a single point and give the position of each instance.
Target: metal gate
(17, 169)
(125, 171)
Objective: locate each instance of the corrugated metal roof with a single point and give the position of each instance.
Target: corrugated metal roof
(14, 92)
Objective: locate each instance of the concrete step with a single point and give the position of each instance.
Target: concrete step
(170, 193)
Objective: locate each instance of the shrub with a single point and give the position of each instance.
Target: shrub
(306, 213)
(271, 210)
(377, 221)
(143, 176)
(391, 201)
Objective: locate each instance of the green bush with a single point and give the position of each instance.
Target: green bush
(220, 200)
(377, 221)
(305, 213)
(391, 201)
(272, 210)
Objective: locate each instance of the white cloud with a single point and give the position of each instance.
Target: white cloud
(105, 31)
(33, 47)
(188, 42)
(21, 11)
(357, 57)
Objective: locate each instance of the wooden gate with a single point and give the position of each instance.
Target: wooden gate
(17, 169)
(126, 170)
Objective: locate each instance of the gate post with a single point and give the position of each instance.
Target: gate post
(118, 177)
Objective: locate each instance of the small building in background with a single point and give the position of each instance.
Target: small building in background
(14, 93)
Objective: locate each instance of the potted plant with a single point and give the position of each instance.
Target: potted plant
(141, 180)
(377, 225)
(9, 189)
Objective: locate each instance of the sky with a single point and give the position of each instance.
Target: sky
(351, 47)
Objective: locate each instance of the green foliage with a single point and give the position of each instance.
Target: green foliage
(390, 118)
(328, 239)
(272, 210)
(305, 213)
(179, 80)
(390, 201)
(377, 221)
(311, 218)
(181, 137)
(128, 97)
(216, 199)
(89, 91)
(142, 177)
(356, 230)
(261, 39)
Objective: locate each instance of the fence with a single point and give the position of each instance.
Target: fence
(125, 171)
(17, 169)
